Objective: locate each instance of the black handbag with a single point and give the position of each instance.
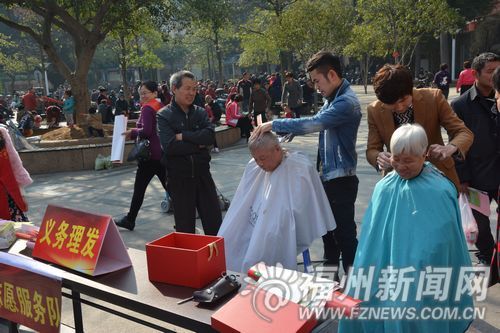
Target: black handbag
(141, 152)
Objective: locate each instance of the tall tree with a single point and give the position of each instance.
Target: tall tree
(212, 16)
(13, 59)
(402, 23)
(134, 44)
(366, 43)
(277, 8)
(86, 22)
(258, 43)
(329, 24)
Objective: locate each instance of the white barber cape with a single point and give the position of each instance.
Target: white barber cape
(274, 216)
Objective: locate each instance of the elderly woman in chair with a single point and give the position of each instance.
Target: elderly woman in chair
(412, 241)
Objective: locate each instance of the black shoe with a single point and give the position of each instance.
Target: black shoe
(125, 223)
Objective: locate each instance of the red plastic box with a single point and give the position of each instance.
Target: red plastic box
(186, 259)
(249, 314)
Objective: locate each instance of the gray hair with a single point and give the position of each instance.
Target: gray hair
(409, 139)
(176, 78)
(266, 140)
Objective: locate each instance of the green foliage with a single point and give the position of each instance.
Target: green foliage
(258, 43)
(134, 42)
(308, 26)
(302, 27)
(206, 23)
(402, 23)
(12, 59)
(366, 40)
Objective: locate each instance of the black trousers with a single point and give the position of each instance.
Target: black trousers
(485, 242)
(341, 193)
(189, 194)
(245, 125)
(445, 91)
(255, 114)
(145, 172)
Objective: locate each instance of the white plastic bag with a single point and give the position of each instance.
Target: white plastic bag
(103, 162)
(468, 222)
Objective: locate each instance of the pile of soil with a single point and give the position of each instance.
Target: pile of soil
(76, 132)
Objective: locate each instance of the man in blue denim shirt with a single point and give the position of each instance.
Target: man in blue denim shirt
(337, 123)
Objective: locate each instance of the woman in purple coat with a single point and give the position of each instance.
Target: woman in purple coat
(146, 170)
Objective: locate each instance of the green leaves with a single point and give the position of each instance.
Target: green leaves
(398, 25)
(303, 27)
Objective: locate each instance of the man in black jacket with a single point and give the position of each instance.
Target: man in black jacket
(481, 168)
(185, 133)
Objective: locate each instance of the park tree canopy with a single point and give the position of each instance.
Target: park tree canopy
(86, 22)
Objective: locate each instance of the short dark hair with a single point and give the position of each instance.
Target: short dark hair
(289, 74)
(238, 98)
(392, 82)
(176, 78)
(323, 61)
(480, 61)
(443, 67)
(496, 79)
(467, 64)
(150, 85)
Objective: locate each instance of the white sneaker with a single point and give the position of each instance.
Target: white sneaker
(215, 150)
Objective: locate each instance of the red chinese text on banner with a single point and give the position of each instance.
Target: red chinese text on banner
(30, 299)
(88, 243)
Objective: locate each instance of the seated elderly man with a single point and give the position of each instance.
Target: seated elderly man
(411, 231)
(278, 210)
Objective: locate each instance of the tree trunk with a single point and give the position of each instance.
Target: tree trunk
(283, 61)
(444, 49)
(123, 68)
(418, 57)
(208, 63)
(218, 51)
(366, 66)
(81, 96)
(138, 50)
(12, 83)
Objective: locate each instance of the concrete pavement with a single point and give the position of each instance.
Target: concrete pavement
(110, 191)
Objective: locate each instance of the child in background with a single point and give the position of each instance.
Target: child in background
(69, 107)
(27, 123)
(288, 112)
(94, 121)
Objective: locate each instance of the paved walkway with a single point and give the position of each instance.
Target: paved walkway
(110, 191)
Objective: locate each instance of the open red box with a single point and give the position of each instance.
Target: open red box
(186, 259)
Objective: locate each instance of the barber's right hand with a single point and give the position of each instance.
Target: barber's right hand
(261, 129)
(384, 160)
